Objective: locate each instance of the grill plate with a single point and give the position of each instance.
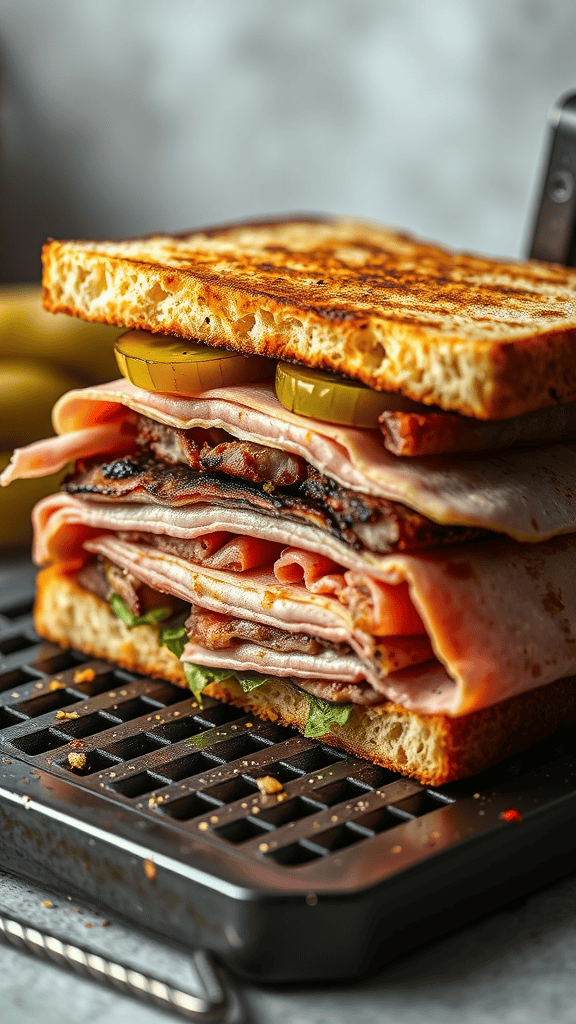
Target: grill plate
(165, 825)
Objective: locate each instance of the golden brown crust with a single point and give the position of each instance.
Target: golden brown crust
(433, 748)
(488, 338)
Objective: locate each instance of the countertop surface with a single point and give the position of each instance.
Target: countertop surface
(514, 966)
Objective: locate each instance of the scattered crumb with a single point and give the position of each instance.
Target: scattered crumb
(87, 925)
(396, 849)
(46, 903)
(152, 802)
(84, 675)
(15, 695)
(105, 924)
(67, 715)
(55, 684)
(38, 686)
(203, 826)
(24, 782)
(268, 784)
(263, 847)
(281, 797)
(334, 817)
(76, 744)
(77, 760)
(255, 809)
(149, 869)
(214, 819)
(476, 796)
(7, 760)
(249, 725)
(76, 911)
(26, 800)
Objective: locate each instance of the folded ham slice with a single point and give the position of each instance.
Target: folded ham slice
(499, 616)
(116, 437)
(529, 494)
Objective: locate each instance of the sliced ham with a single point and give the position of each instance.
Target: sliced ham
(242, 553)
(381, 609)
(529, 494)
(319, 574)
(329, 665)
(501, 618)
(41, 458)
(53, 540)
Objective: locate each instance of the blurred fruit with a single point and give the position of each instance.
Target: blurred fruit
(17, 502)
(28, 390)
(28, 331)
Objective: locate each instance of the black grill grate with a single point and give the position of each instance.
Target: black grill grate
(183, 779)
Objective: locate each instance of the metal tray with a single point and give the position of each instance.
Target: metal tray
(348, 867)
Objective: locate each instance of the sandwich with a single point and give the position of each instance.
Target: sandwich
(335, 484)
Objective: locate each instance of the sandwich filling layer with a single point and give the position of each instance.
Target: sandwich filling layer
(297, 553)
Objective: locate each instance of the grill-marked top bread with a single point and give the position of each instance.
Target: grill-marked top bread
(487, 338)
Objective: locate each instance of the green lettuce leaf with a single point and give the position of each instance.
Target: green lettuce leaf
(122, 611)
(199, 676)
(322, 715)
(174, 637)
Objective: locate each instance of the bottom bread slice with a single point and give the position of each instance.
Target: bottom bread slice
(432, 748)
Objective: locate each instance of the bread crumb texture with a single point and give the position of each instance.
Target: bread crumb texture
(488, 338)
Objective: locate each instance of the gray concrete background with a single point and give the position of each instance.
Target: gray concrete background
(127, 116)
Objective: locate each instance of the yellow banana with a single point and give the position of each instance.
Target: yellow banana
(17, 502)
(28, 390)
(28, 331)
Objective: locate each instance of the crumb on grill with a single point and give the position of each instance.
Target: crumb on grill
(84, 675)
(77, 760)
(268, 784)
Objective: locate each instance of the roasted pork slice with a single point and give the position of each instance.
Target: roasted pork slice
(359, 520)
(215, 632)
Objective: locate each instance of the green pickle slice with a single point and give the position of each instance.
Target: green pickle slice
(325, 396)
(157, 362)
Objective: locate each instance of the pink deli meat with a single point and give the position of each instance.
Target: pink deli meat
(48, 456)
(528, 494)
(500, 616)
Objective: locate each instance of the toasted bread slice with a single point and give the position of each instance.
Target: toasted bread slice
(433, 748)
(486, 338)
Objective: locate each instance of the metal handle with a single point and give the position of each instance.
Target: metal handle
(211, 1008)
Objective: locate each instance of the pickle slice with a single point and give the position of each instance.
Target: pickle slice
(158, 362)
(325, 396)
